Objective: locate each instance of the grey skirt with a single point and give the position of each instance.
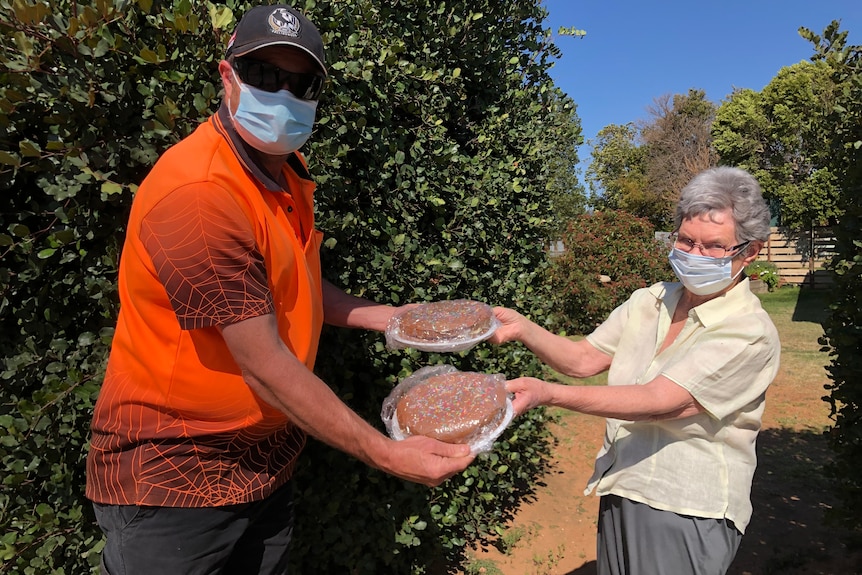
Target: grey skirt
(635, 539)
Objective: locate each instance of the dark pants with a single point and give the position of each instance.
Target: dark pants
(247, 539)
(635, 539)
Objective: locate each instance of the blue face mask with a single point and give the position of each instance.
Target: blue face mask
(702, 275)
(276, 123)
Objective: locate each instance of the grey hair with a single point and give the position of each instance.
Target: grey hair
(717, 189)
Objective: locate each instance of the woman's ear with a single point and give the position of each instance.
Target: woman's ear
(752, 251)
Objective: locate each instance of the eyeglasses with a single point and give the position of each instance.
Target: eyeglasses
(713, 250)
(271, 78)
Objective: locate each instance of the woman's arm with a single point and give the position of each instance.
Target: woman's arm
(660, 398)
(569, 357)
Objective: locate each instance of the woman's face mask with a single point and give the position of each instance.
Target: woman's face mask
(703, 275)
(275, 123)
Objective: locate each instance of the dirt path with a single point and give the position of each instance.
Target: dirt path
(554, 534)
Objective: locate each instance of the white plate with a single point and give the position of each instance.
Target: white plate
(446, 345)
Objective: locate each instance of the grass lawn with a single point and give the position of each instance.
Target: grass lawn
(798, 315)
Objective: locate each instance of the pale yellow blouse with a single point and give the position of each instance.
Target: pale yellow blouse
(726, 356)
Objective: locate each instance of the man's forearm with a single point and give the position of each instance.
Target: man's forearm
(280, 379)
(344, 310)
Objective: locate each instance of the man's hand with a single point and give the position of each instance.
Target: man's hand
(428, 461)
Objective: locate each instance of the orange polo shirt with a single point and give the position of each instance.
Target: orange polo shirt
(211, 240)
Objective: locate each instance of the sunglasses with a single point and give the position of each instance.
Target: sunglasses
(271, 78)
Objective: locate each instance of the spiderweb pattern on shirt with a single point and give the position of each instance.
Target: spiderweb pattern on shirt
(205, 255)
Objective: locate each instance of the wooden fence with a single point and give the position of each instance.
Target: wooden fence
(801, 256)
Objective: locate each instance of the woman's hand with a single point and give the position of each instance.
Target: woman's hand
(511, 325)
(529, 393)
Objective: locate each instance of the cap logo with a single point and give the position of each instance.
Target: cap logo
(283, 22)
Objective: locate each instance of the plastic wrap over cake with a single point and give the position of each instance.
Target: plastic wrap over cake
(449, 405)
(451, 325)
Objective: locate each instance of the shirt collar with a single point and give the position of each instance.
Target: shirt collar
(712, 311)
(247, 156)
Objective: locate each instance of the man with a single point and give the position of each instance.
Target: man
(209, 392)
(688, 367)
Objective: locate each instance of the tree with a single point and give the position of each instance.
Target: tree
(568, 197)
(618, 168)
(678, 146)
(641, 167)
(783, 136)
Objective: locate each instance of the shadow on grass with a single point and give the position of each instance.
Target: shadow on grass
(789, 533)
(811, 305)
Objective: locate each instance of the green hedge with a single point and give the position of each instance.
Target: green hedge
(431, 156)
(843, 336)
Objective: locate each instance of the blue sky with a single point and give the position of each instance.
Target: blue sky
(636, 51)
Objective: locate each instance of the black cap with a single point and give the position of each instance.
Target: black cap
(276, 25)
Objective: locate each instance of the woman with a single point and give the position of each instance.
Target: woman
(688, 366)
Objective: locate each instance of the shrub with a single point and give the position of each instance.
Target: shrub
(431, 159)
(764, 270)
(614, 244)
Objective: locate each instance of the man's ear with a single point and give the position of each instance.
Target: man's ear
(226, 73)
